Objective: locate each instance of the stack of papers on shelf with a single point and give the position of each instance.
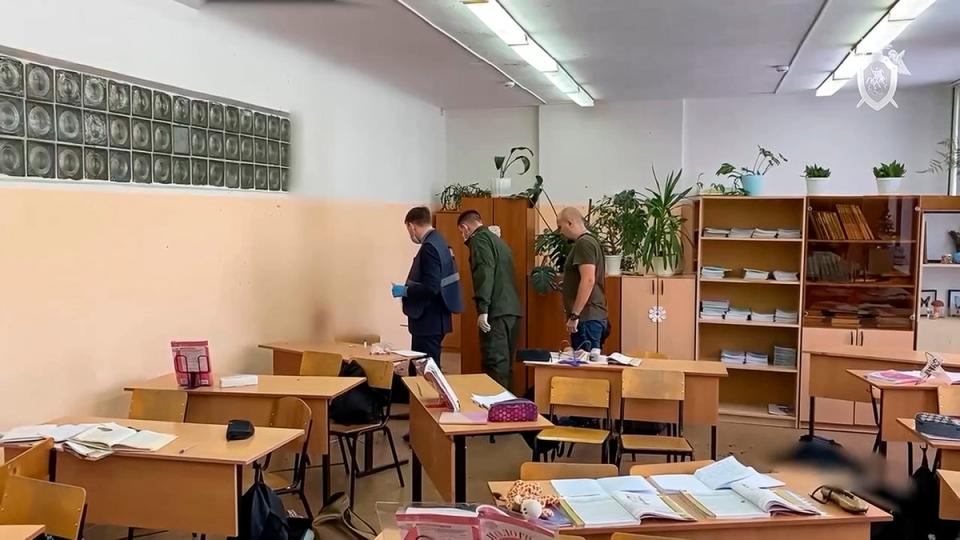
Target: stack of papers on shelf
(788, 233)
(486, 401)
(753, 273)
(741, 233)
(761, 317)
(711, 232)
(738, 314)
(233, 381)
(784, 356)
(764, 233)
(732, 357)
(777, 409)
(783, 275)
(713, 309)
(786, 317)
(713, 272)
(102, 440)
(756, 359)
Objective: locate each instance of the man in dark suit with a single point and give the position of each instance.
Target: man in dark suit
(432, 290)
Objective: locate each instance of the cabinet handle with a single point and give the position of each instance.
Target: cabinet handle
(661, 287)
(851, 338)
(653, 287)
(861, 338)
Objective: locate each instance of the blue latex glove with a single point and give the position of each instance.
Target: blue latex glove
(399, 290)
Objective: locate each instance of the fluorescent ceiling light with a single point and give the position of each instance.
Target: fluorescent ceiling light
(563, 81)
(851, 65)
(581, 98)
(497, 19)
(881, 35)
(830, 86)
(536, 56)
(909, 9)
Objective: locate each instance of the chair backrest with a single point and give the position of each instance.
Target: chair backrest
(653, 384)
(292, 413)
(33, 462)
(58, 507)
(320, 364)
(379, 373)
(161, 405)
(629, 536)
(358, 338)
(576, 392)
(948, 400)
(684, 467)
(649, 354)
(556, 471)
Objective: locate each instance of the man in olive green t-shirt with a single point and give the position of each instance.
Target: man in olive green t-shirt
(583, 274)
(495, 294)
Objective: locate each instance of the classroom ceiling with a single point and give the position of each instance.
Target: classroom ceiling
(617, 49)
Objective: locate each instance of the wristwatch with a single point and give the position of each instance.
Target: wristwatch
(573, 317)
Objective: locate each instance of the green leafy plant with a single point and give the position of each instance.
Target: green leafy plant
(815, 171)
(894, 169)
(716, 188)
(520, 154)
(453, 195)
(948, 159)
(664, 233)
(619, 221)
(765, 161)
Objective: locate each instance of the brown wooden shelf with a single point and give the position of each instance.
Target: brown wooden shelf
(884, 241)
(750, 281)
(861, 284)
(747, 323)
(770, 368)
(729, 239)
(754, 411)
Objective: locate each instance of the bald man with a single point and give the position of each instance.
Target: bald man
(583, 274)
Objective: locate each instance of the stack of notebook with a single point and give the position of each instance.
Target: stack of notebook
(783, 275)
(784, 356)
(738, 314)
(753, 273)
(765, 233)
(713, 309)
(741, 233)
(761, 317)
(786, 317)
(788, 233)
(619, 500)
(756, 359)
(711, 232)
(713, 272)
(732, 357)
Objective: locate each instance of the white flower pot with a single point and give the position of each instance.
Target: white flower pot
(612, 264)
(887, 186)
(660, 267)
(817, 186)
(500, 187)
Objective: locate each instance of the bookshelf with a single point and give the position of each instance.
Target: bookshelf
(748, 391)
(938, 280)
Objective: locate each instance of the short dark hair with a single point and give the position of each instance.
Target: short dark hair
(418, 215)
(470, 215)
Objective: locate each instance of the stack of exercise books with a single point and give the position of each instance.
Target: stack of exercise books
(756, 359)
(765, 233)
(754, 274)
(786, 317)
(738, 314)
(732, 357)
(741, 233)
(711, 232)
(91, 441)
(757, 316)
(713, 272)
(713, 309)
(784, 356)
(783, 275)
(788, 233)
(620, 500)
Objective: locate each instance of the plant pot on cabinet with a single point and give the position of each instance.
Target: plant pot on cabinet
(661, 267)
(612, 264)
(817, 186)
(889, 185)
(500, 187)
(753, 184)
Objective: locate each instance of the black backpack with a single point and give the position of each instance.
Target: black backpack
(361, 404)
(262, 516)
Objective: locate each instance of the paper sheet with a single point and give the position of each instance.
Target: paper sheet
(635, 484)
(409, 354)
(722, 473)
(676, 483)
(577, 487)
(598, 510)
(487, 401)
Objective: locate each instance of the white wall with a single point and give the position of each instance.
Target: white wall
(588, 152)
(475, 136)
(354, 137)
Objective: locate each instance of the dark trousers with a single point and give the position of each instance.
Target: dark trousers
(590, 335)
(428, 345)
(497, 347)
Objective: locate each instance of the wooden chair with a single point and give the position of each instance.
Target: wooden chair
(684, 467)
(33, 462)
(291, 413)
(58, 507)
(629, 536)
(555, 471)
(585, 394)
(369, 339)
(649, 354)
(948, 400)
(379, 376)
(652, 385)
(320, 364)
(161, 405)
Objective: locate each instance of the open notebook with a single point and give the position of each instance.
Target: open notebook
(719, 475)
(618, 500)
(742, 502)
(103, 439)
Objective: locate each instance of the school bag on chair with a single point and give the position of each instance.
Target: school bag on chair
(262, 516)
(337, 521)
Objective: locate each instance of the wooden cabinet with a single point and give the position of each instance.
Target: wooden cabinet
(671, 329)
(900, 340)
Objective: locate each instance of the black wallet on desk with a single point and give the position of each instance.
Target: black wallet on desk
(237, 430)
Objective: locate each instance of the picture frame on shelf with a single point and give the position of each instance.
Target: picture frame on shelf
(953, 303)
(927, 298)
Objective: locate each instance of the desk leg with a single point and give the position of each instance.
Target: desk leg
(713, 442)
(325, 465)
(881, 444)
(813, 415)
(460, 469)
(367, 452)
(416, 481)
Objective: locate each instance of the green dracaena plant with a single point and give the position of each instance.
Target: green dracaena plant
(894, 169)
(815, 171)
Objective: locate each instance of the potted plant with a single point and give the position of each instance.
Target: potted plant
(501, 184)
(661, 245)
(889, 177)
(817, 179)
(752, 179)
(619, 222)
(453, 195)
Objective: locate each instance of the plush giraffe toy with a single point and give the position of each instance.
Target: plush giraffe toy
(528, 499)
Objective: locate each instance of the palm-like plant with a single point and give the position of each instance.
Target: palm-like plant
(664, 233)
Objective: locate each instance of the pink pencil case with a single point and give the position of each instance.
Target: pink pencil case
(514, 410)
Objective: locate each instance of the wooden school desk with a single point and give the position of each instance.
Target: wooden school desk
(701, 405)
(192, 484)
(215, 405)
(835, 525)
(441, 450)
(828, 369)
(287, 355)
(20, 532)
(949, 470)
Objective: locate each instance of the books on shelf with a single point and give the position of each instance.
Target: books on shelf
(756, 359)
(777, 409)
(789, 233)
(741, 233)
(754, 274)
(784, 356)
(737, 314)
(713, 272)
(786, 317)
(713, 309)
(712, 232)
(761, 317)
(764, 233)
(783, 275)
(732, 357)
(827, 225)
(854, 223)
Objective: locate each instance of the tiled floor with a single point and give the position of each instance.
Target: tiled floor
(753, 445)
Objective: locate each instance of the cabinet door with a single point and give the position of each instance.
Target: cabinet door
(886, 340)
(638, 333)
(829, 411)
(675, 334)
